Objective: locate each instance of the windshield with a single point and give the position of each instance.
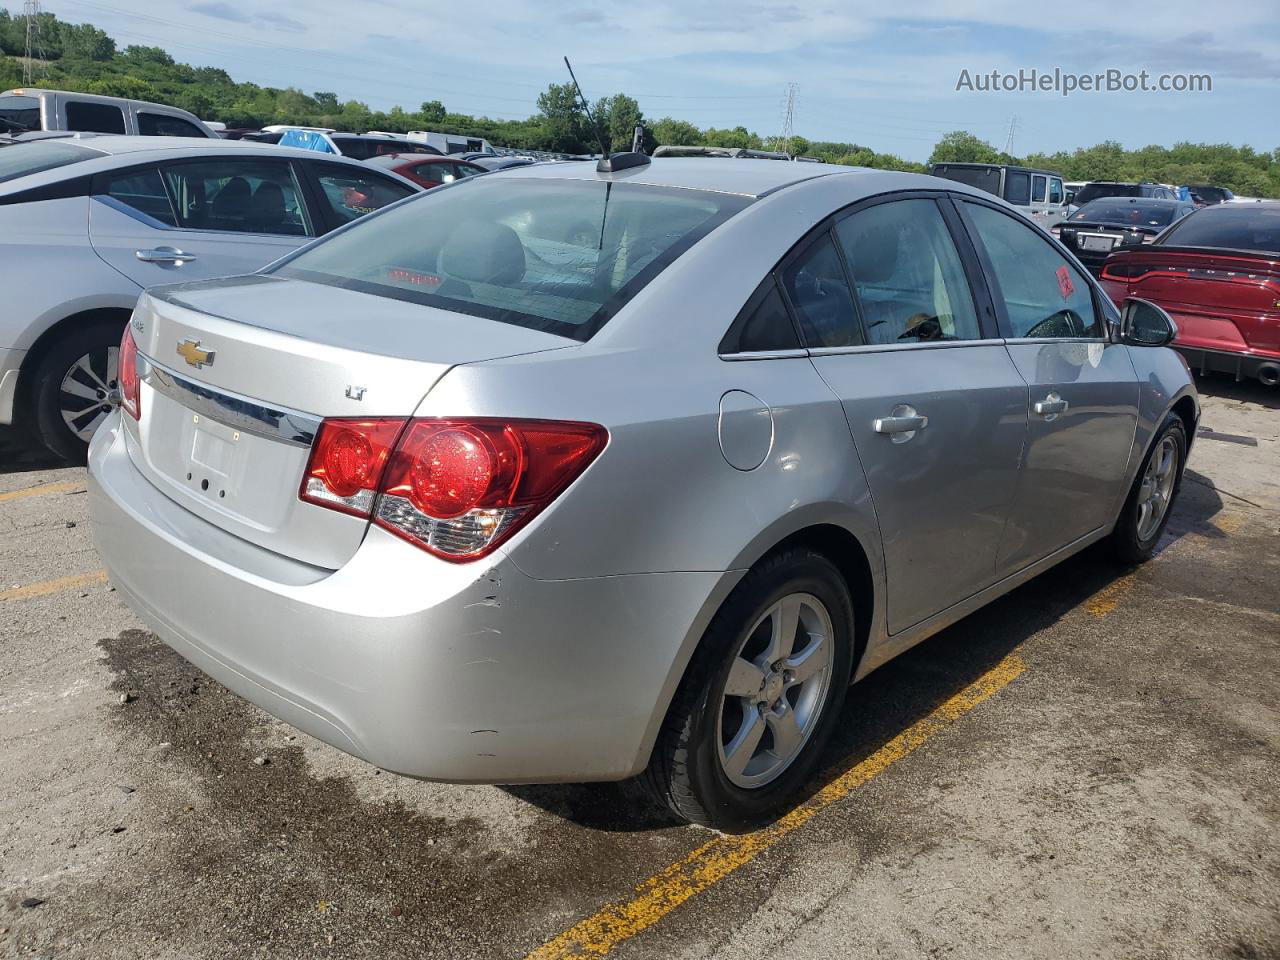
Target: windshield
(33, 156)
(1126, 212)
(556, 255)
(1092, 191)
(1231, 226)
(18, 114)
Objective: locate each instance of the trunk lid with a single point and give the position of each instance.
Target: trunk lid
(242, 370)
(1220, 299)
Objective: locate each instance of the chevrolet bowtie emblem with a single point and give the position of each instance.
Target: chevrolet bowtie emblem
(190, 351)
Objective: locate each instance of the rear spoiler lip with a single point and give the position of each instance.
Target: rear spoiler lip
(1270, 256)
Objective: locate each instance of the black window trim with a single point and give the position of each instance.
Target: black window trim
(728, 349)
(1001, 313)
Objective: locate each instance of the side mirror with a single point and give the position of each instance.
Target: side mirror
(1143, 324)
(1070, 198)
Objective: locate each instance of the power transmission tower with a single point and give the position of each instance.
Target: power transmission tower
(34, 47)
(788, 119)
(1013, 128)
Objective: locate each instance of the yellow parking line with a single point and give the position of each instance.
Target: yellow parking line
(713, 861)
(1109, 597)
(45, 587)
(69, 487)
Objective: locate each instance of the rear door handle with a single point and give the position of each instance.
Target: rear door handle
(901, 424)
(164, 255)
(1050, 406)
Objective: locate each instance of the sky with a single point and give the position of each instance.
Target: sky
(883, 75)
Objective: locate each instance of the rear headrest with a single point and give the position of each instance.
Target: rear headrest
(875, 255)
(484, 252)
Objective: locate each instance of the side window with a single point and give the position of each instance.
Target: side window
(432, 172)
(239, 195)
(466, 170)
(763, 324)
(94, 117)
(161, 125)
(1017, 188)
(816, 286)
(1055, 190)
(352, 192)
(1037, 189)
(143, 191)
(907, 275)
(1043, 294)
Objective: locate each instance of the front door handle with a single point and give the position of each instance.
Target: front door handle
(1050, 406)
(164, 255)
(901, 424)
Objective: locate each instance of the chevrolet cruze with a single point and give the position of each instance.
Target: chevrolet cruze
(571, 474)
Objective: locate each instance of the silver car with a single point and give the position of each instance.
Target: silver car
(86, 222)
(567, 475)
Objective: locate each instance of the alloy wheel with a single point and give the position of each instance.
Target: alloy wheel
(777, 685)
(1156, 491)
(86, 394)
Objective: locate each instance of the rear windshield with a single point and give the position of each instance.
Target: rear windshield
(984, 178)
(1092, 191)
(33, 156)
(360, 148)
(18, 114)
(556, 255)
(1232, 226)
(1125, 212)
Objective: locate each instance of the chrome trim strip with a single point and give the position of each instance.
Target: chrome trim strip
(763, 355)
(894, 347)
(1014, 341)
(231, 409)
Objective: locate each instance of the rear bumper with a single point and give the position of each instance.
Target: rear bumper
(458, 672)
(1243, 366)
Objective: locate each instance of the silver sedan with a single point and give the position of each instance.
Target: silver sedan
(564, 474)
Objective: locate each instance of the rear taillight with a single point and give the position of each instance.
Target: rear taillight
(127, 380)
(456, 487)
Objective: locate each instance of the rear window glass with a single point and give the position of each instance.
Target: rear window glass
(1092, 191)
(1017, 188)
(984, 178)
(1234, 227)
(556, 255)
(1125, 212)
(18, 114)
(34, 156)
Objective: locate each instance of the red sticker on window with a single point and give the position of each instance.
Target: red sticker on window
(1064, 282)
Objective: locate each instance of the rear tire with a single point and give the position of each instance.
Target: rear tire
(760, 698)
(1149, 505)
(71, 387)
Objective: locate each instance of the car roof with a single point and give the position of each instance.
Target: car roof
(1145, 201)
(749, 177)
(116, 150)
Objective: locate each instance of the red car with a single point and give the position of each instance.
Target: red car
(1217, 273)
(426, 170)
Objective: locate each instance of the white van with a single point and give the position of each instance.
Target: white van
(1037, 193)
(28, 108)
(451, 142)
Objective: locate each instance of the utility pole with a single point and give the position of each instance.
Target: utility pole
(1013, 128)
(34, 46)
(788, 119)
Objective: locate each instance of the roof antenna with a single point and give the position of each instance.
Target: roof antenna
(609, 163)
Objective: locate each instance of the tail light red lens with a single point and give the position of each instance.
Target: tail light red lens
(347, 461)
(458, 487)
(127, 380)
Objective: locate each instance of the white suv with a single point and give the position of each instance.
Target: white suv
(87, 222)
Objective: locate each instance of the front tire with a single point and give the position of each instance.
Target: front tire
(761, 696)
(1149, 505)
(72, 387)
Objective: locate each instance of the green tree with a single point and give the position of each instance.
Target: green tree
(142, 55)
(960, 146)
(737, 137)
(84, 41)
(564, 125)
(676, 133)
(432, 111)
